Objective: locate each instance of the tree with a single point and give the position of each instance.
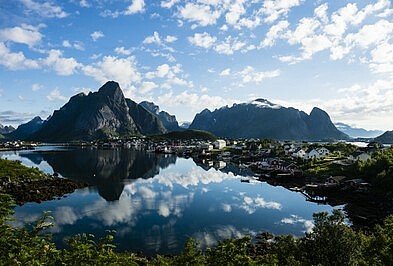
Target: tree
(331, 242)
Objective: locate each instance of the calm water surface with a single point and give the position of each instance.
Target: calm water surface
(155, 202)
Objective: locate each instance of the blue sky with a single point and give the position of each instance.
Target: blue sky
(189, 55)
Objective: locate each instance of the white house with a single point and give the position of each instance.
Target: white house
(323, 151)
(220, 144)
(317, 153)
(359, 156)
(299, 153)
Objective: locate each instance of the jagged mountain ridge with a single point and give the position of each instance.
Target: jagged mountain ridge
(24, 131)
(6, 129)
(169, 121)
(98, 115)
(263, 119)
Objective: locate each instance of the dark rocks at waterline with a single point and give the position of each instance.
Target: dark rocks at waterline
(40, 190)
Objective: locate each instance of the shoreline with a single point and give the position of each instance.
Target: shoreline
(50, 188)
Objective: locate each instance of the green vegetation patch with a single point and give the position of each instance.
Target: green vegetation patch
(15, 171)
(331, 242)
(186, 135)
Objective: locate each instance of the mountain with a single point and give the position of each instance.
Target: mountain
(185, 125)
(147, 123)
(169, 121)
(263, 119)
(98, 115)
(25, 131)
(385, 138)
(354, 132)
(6, 129)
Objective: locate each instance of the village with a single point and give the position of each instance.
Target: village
(320, 171)
(283, 162)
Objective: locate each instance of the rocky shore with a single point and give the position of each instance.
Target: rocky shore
(30, 190)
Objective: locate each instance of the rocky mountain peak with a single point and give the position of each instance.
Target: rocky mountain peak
(169, 121)
(317, 112)
(112, 90)
(151, 107)
(263, 103)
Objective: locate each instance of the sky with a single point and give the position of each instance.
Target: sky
(188, 55)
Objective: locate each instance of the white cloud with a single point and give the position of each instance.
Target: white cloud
(321, 12)
(155, 38)
(26, 34)
(321, 32)
(260, 202)
(170, 39)
(84, 3)
(55, 95)
(64, 215)
(46, 9)
(225, 72)
(274, 33)
(294, 219)
(305, 28)
(63, 66)
(199, 13)
(250, 205)
(123, 51)
(147, 86)
(17, 60)
(136, 6)
(204, 40)
(382, 58)
(14, 61)
(77, 45)
(169, 3)
(249, 74)
(368, 104)
(194, 101)
(123, 70)
(36, 87)
(226, 207)
(236, 10)
(97, 35)
(273, 9)
(67, 44)
(229, 46)
(163, 70)
(371, 34)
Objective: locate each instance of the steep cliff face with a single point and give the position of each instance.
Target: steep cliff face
(85, 117)
(147, 123)
(25, 131)
(320, 125)
(263, 119)
(168, 121)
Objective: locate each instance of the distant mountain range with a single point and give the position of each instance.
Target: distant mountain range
(6, 129)
(94, 116)
(24, 131)
(354, 132)
(263, 119)
(107, 113)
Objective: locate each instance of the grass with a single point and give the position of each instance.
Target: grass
(15, 171)
(186, 135)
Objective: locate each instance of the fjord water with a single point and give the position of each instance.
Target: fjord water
(156, 202)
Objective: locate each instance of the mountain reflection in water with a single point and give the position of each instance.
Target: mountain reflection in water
(105, 169)
(156, 202)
